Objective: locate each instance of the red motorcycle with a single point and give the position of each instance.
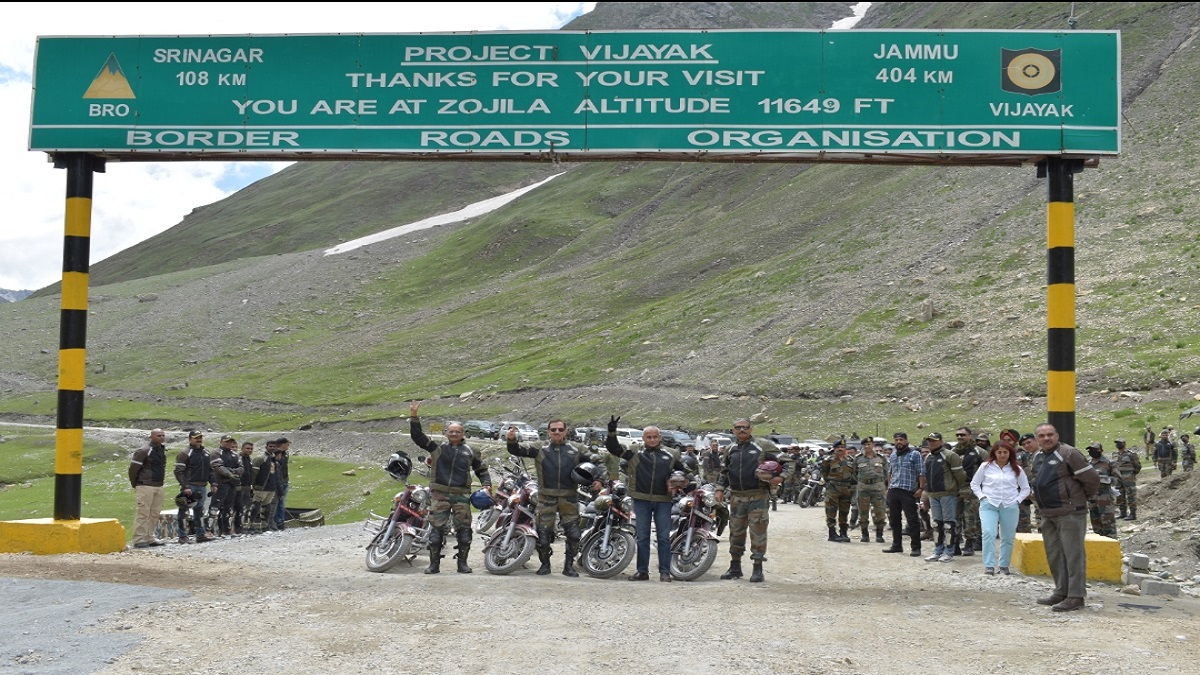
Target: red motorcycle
(694, 541)
(609, 543)
(403, 534)
(515, 536)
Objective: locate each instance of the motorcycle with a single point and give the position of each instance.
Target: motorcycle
(510, 478)
(609, 543)
(515, 537)
(694, 539)
(404, 533)
(810, 493)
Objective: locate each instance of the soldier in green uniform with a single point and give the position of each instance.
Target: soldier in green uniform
(871, 470)
(1187, 456)
(840, 479)
(1027, 449)
(749, 514)
(1128, 466)
(1104, 519)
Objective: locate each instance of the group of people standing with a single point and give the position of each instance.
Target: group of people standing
(223, 493)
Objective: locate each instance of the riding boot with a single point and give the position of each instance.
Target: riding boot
(878, 534)
(573, 536)
(735, 569)
(464, 547)
(545, 536)
(435, 552)
(866, 535)
(757, 575)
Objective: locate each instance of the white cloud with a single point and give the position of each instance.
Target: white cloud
(133, 202)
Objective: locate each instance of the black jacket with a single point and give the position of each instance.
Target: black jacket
(648, 468)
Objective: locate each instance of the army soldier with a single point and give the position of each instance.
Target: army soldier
(840, 479)
(871, 469)
(1165, 454)
(1100, 506)
(974, 452)
(450, 467)
(1128, 466)
(1026, 448)
(749, 502)
(1188, 455)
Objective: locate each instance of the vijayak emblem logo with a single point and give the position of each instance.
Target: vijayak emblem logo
(110, 82)
(1031, 71)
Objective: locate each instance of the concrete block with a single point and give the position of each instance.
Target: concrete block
(1103, 557)
(1139, 562)
(46, 536)
(1136, 578)
(1156, 587)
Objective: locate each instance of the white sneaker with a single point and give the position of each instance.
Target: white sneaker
(946, 557)
(934, 558)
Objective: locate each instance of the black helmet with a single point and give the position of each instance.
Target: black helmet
(585, 473)
(690, 462)
(185, 502)
(399, 466)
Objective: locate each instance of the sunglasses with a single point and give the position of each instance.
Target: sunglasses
(563, 429)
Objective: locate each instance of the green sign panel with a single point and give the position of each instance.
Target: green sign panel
(923, 96)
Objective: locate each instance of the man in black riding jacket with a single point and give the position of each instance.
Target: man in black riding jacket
(449, 488)
(749, 504)
(556, 491)
(649, 468)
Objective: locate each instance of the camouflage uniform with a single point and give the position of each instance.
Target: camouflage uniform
(1165, 456)
(450, 468)
(1104, 518)
(872, 483)
(1024, 521)
(1188, 456)
(840, 479)
(749, 502)
(1127, 466)
(710, 464)
(968, 504)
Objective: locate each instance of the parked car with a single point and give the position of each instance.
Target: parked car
(676, 439)
(525, 433)
(481, 429)
(628, 437)
(782, 440)
(723, 440)
(591, 435)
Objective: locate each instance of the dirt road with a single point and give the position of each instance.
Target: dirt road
(302, 602)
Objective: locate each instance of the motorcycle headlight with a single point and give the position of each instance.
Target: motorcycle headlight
(627, 503)
(685, 504)
(514, 499)
(421, 495)
(710, 499)
(602, 502)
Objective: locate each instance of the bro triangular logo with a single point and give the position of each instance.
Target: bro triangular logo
(110, 82)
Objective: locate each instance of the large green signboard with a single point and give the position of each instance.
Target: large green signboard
(923, 96)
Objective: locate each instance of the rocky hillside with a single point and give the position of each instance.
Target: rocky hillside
(682, 291)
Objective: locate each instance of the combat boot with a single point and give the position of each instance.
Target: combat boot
(735, 569)
(1123, 513)
(569, 563)
(435, 560)
(842, 537)
(545, 534)
(833, 534)
(757, 575)
(866, 535)
(1132, 513)
(464, 547)
(879, 534)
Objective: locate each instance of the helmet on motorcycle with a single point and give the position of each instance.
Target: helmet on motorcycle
(676, 481)
(690, 461)
(481, 500)
(768, 470)
(399, 466)
(618, 489)
(584, 474)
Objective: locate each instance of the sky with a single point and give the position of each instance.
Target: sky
(132, 202)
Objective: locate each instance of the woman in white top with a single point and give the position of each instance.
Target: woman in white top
(1000, 486)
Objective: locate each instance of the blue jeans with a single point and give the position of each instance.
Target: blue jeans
(280, 510)
(643, 511)
(1004, 518)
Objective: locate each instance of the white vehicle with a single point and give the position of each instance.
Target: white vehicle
(629, 437)
(525, 433)
(723, 440)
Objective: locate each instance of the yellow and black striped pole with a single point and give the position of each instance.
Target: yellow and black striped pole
(72, 335)
(1060, 294)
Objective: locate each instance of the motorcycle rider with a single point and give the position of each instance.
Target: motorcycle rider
(449, 488)
(649, 468)
(749, 504)
(556, 490)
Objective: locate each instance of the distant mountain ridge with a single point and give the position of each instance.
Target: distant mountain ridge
(7, 295)
(657, 288)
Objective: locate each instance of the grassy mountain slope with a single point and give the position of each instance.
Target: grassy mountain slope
(642, 287)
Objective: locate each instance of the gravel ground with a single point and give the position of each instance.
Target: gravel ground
(301, 601)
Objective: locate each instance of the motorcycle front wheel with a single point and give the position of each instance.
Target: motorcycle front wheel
(605, 564)
(805, 492)
(697, 561)
(503, 558)
(383, 554)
